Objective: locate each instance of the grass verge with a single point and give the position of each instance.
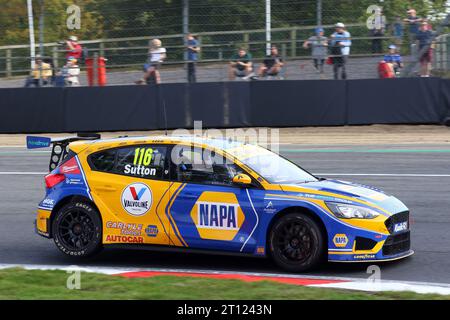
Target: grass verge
(36, 284)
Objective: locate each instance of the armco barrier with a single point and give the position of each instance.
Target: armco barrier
(225, 104)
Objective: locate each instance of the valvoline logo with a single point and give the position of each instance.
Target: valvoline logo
(217, 215)
(137, 199)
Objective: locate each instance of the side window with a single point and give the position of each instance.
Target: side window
(103, 161)
(196, 165)
(146, 161)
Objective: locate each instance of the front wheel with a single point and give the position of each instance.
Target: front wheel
(296, 242)
(77, 229)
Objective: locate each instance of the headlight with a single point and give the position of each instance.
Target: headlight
(348, 211)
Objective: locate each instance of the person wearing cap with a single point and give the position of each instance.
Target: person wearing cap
(74, 49)
(71, 71)
(394, 58)
(424, 42)
(40, 75)
(319, 48)
(340, 50)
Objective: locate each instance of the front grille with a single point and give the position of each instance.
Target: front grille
(396, 218)
(364, 243)
(396, 244)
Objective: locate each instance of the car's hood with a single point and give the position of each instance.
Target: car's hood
(342, 189)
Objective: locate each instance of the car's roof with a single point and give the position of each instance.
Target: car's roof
(217, 143)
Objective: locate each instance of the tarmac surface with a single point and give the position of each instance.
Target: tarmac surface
(417, 174)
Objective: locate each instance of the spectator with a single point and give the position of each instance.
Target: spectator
(413, 21)
(398, 30)
(192, 55)
(241, 65)
(71, 71)
(340, 50)
(40, 75)
(424, 41)
(74, 49)
(157, 55)
(272, 65)
(394, 59)
(318, 45)
(377, 32)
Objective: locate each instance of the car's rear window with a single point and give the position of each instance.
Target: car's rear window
(103, 161)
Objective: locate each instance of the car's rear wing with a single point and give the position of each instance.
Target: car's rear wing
(60, 147)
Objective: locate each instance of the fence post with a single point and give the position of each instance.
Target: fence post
(102, 48)
(246, 39)
(8, 63)
(55, 56)
(199, 39)
(293, 43)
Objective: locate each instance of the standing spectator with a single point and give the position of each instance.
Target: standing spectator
(340, 50)
(40, 75)
(192, 55)
(394, 58)
(73, 49)
(241, 65)
(318, 45)
(379, 26)
(272, 65)
(156, 56)
(398, 30)
(71, 71)
(413, 21)
(424, 41)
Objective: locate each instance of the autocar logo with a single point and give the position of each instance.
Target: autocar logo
(398, 227)
(137, 199)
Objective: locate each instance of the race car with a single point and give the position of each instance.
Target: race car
(211, 195)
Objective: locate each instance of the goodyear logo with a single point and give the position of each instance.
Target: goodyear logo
(217, 215)
(340, 240)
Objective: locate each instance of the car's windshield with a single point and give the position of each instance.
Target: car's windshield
(276, 169)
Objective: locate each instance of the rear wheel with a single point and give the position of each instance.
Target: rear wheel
(77, 229)
(296, 242)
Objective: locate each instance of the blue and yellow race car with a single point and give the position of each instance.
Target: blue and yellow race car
(211, 195)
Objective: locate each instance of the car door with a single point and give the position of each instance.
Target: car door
(208, 210)
(132, 183)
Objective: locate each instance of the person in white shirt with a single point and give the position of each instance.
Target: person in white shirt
(340, 50)
(156, 56)
(71, 72)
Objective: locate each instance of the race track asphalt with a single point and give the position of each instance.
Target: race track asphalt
(418, 175)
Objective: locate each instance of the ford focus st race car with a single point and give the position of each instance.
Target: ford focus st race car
(212, 195)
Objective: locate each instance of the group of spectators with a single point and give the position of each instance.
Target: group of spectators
(44, 72)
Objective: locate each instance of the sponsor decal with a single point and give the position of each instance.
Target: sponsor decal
(270, 208)
(124, 239)
(364, 256)
(139, 170)
(137, 199)
(217, 215)
(151, 231)
(260, 250)
(70, 167)
(74, 181)
(38, 142)
(402, 226)
(340, 240)
(48, 203)
(131, 229)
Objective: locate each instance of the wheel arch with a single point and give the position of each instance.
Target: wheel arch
(298, 209)
(66, 200)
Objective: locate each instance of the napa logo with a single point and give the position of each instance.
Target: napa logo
(340, 240)
(217, 216)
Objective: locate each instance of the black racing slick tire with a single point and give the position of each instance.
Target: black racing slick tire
(77, 229)
(296, 242)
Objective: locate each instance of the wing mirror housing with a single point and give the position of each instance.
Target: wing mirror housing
(242, 180)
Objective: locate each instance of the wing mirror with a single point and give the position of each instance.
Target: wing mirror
(242, 179)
